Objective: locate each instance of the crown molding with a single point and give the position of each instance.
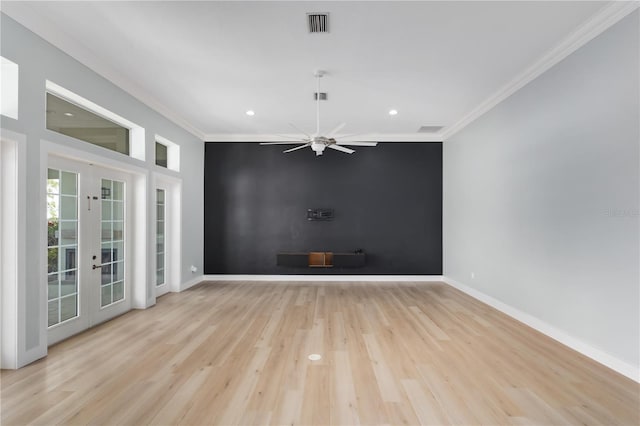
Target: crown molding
(372, 137)
(23, 13)
(596, 25)
(605, 18)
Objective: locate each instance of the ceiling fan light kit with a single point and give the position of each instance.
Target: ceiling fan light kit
(317, 141)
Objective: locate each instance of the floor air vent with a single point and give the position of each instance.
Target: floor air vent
(318, 22)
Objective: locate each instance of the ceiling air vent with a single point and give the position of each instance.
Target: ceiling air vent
(430, 129)
(323, 96)
(318, 22)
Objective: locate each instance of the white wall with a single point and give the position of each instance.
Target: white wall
(39, 61)
(541, 197)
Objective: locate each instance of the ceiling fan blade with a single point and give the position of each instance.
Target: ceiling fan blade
(340, 148)
(283, 143)
(358, 143)
(298, 147)
(299, 131)
(336, 129)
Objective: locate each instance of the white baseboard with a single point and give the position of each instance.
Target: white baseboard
(188, 284)
(596, 354)
(325, 278)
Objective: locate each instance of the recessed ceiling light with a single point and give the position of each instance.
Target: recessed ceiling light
(393, 112)
(315, 357)
(68, 114)
(250, 113)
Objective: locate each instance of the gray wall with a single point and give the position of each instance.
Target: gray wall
(38, 61)
(541, 197)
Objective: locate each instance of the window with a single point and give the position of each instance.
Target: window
(160, 233)
(9, 89)
(161, 155)
(72, 115)
(167, 154)
(71, 120)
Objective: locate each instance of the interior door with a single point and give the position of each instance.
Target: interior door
(88, 267)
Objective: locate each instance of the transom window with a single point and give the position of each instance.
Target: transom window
(72, 115)
(167, 154)
(9, 92)
(161, 155)
(71, 120)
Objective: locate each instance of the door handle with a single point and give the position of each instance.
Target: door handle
(96, 266)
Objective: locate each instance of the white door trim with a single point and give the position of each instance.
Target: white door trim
(12, 249)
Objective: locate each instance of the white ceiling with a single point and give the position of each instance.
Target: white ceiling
(203, 64)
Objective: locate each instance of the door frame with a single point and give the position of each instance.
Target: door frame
(141, 297)
(13, 251)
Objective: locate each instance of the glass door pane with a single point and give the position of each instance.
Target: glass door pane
(160, 236)
(112, 255)
(62, 246)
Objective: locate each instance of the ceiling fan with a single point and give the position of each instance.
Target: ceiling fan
(317, 141)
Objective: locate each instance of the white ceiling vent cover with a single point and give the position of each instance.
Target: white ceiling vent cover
(430, 129)
(318, 22)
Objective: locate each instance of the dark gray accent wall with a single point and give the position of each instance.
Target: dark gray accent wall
(387, 202)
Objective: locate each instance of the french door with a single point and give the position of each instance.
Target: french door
(161, 242)
(88, 253)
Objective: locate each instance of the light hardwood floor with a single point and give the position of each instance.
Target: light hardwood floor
(236, 353)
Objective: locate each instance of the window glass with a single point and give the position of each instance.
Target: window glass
(161, 154)
(160, 232)
(112, 242)
(71, 120)
(62, 245)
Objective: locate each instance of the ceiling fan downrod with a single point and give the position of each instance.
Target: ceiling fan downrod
(318, 142)
(318, 74)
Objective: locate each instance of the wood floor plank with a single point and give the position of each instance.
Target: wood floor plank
(424, 404)
(343, 393)
(392, 353)
(180, 400)
(385, 379)
(316, 404)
